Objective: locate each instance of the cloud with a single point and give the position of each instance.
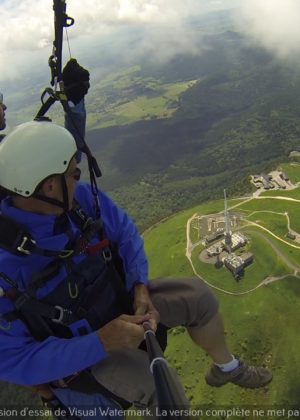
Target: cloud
(24, 32)
(27, 28)
(118, 28)
(136, 11)
(273, 24)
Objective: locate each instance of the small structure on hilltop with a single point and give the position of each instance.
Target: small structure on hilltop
(275, 179)
(221, 241)
(236, 264)
(237, 241)
(284, 176)
(291, 235)
(211, 238)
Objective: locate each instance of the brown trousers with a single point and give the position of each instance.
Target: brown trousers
(188, 302)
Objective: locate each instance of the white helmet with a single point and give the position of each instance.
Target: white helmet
(32, 152)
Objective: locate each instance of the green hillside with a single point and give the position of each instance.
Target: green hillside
(261, 326)
(223, 129)
(170, 135)
(126, 97)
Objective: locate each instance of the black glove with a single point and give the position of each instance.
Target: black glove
(76, 80)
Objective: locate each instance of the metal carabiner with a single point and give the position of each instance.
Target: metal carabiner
(62, 312)
(21, 248)
(107, 255)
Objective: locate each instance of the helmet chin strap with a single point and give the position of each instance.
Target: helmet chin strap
(62, 204)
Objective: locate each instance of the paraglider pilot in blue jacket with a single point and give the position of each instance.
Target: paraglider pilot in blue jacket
(74, 286)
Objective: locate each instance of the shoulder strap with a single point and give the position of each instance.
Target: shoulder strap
(15, 239)
(89, 228)
(26, 302)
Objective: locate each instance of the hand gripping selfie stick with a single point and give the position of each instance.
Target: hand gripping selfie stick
(172, 403)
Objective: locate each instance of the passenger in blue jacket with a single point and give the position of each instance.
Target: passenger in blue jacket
(74, 289)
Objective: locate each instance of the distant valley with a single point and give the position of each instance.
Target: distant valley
(170, 135)
(241, 118)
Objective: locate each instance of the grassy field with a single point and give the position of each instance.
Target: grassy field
(273, 205)
(249, 319)
(283, 193)
(161, 102)
(272, 221)
(292, 170)
(125, 97)
(249, 322)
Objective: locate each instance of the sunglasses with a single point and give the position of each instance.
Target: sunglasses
(76, 174)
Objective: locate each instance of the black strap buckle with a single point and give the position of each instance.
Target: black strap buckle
(22, 300)
(26, 246)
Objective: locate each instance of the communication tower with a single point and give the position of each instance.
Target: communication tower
(227, 234)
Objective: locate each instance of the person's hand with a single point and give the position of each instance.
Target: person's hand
(142, 305)
(76, 81)
(124, 332)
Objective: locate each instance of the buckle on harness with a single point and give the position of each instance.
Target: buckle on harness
(21, 248)
(61, 314)
(107, 255)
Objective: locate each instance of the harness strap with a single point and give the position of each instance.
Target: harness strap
(86, 223)
(26, 304)
(16, 239)
(42, 277)
(46, 105)
(89, 229)
(26, 301)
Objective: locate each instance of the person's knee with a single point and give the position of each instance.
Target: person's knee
(183, 301)
(206, 304)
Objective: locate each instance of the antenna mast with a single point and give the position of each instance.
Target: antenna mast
(228, 240)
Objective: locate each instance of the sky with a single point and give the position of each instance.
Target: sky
(27, 29)
(274, 24)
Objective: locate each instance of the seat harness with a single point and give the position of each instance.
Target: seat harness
(98, 279)
(17, 240)
(93, 290)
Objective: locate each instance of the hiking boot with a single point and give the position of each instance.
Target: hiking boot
(244, 376)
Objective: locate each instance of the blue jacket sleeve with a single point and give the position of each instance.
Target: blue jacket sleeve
(75, 121)
(120, 229)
